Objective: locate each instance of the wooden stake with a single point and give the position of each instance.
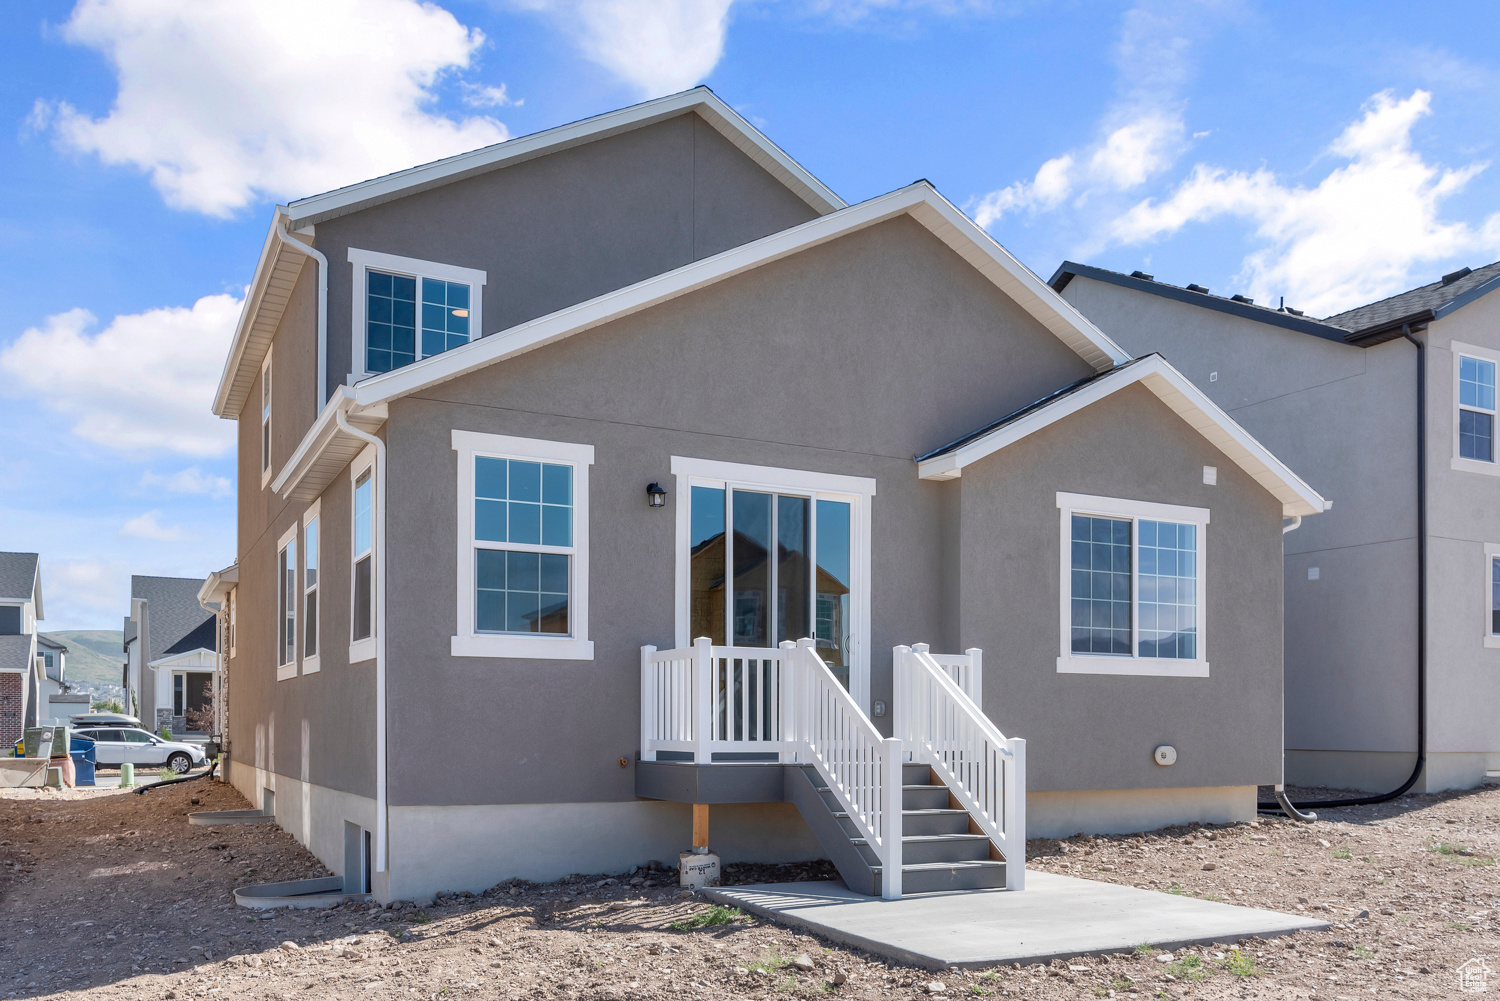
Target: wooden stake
(700, 825)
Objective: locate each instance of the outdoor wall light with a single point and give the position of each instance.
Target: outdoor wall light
(655, 495)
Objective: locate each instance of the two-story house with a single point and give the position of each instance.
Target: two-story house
(20, 608)
(608, 475)
(171, 649)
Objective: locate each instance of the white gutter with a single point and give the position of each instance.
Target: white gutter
(1292, 525)
(316, 255)
(379, 544)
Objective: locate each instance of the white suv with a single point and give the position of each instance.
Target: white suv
(114, 746)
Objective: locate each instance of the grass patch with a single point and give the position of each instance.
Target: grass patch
(1460, 854)
(1342, 851)
(715, 915)
(976, 989)
(1176, 889)
(1457, 926)
(1119, 985)
(1364, 952)
(421, 918)
(1211, 896)
(775, 961)
(1242, 964)
(1145, 949)
(1187, 968)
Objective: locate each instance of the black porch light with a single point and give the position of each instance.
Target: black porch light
(655, 495)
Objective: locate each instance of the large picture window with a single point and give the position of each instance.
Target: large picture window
(523, 547)
(1132, 587)
(406, 310)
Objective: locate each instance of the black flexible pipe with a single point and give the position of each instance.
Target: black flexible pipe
(172, 782)
(1416, 771)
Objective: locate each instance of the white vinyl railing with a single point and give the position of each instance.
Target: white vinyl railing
(941, 726)
(966, 669)
(706, 702)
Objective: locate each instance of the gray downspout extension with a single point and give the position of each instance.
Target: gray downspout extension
(1293, 809)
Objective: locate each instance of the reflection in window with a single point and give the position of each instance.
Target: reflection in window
(391, 319)
(832, 612)
(707, 556)
(1101, 585)
(1168, 581)
(524, 585)
(1476, 409)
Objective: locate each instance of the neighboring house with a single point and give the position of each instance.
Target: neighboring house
(1338, 399)
(20, 678)
(171, 644)
(712, 398)
(217, 592)
(57, 700)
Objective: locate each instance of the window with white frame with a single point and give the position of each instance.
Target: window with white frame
(232, 612)
(265, 420)
(362, 562)
(310, 559)
(1492, 595)
(522, 547)
(406, 309)
(1132, 577)
(287, 594)
(1475, 421)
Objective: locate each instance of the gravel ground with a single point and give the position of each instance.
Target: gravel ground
(114, 895)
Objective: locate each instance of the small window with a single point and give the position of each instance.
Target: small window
(1476, 409)
(10, 620)
(232, 595)
(1132, 587)
(310, 589)
(406, 310)
(265, 420)
(1492, 595)
(286, 604)
(177, 694)
(523, 547)
(1495, 595)
(362, 616)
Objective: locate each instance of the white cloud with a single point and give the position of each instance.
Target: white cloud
(71, 586)
(225, 102)
(145, 383)
(1355, 237)
(190, 481)
(146, 526)
(657, 46)
(480, 95)
(1136, 150)
(1052, 183)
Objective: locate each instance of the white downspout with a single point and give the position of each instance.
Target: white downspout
(299, 246)
(1292, 525)
(379, 530)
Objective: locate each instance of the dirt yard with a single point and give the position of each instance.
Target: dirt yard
(114, 895)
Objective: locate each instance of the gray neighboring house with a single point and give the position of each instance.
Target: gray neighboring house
(57, 700)
(171, 648)
(1338, 399)
(607, 475)
(20, 677)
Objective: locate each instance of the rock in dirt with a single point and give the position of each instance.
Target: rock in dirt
(803, 962)
(935, 987)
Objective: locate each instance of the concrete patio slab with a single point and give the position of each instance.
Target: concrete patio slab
(1055, 917)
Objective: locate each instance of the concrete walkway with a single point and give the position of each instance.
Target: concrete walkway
(1055, 917)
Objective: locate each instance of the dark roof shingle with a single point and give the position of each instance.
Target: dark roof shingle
(172, 614)
(17, 575)
(1414, 302)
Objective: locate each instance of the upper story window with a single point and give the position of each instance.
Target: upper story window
(310, 559)
(1474, 409)
(362, 560)
(265, 420)
(523, 547)
(1132, 587)
(10, 620)
(405, 310)
(286, 605)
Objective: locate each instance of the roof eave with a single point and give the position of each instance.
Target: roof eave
(269, 289)
(326, 448)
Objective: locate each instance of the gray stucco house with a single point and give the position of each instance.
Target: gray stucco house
(1351, 399)
(607, 474)
(171, 652)
(20, 676)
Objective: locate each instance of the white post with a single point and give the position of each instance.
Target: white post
(900, 691)
(703, 698)
(976, 665)
(1015, 816)
(792, 698)
(890, 817)
(649, 697)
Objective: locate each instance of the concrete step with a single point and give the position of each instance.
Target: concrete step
(933, 877)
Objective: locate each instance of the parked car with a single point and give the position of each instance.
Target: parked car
(114, 746)
(86, 721)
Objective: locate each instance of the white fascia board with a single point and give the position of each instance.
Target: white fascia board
(322, 450)
(268, 252)
(359, 196)
(1185, 399)
(919, 201)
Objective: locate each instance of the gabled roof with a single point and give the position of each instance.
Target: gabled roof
(1290, 319)
(277, 269)
(203, 637)
(172, 613)
(314, 463)
(15, 655)
(218, 585)
(1427, 302)
(42, 639)
(19, 580)
(1173, 389)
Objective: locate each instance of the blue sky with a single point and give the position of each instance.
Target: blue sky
(1330, 153)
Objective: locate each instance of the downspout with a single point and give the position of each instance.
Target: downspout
(316, 255)
(221, 656)
(380, 712)
(1292, 808)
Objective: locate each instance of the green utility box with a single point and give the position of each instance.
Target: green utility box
(60, 740)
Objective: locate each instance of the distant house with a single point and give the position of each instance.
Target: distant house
(171, 646)
(57, 700)
(20, 608)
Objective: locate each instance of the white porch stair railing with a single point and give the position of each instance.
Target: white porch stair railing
(707, 700)
(941, 726)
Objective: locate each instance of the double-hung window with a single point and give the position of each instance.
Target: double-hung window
(406, 310)
(1492, 595)
(310, 558)
(287, 594)
(265, 420)
(1474, 419)
(522, 547)
(362, 561)
(1132, 587)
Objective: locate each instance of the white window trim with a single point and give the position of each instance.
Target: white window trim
(313, 664)
(233, 601)
(364, 260)
(1069, 662)
(1491, 552)
(285, 671)
(858, 490)
(362, 650)
(1460, 464)
(265, 428)
(469, 643)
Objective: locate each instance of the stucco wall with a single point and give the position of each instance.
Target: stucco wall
(1097, 731)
